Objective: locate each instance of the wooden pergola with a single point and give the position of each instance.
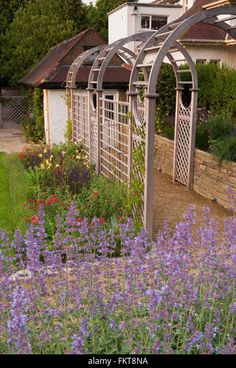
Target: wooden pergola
(119, 136)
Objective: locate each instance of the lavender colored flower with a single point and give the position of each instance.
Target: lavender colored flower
(17, 323)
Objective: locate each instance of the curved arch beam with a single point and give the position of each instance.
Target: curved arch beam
(77, 63)
(177, 33)
(114, 49)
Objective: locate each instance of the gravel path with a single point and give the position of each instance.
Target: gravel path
(172, 199)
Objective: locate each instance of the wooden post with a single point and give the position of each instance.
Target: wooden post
(193, 117)
(90, 97)
(177, 104)
(150, 103)
(99, 122)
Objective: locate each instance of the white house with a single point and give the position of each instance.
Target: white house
(204, 42)
(131, 18)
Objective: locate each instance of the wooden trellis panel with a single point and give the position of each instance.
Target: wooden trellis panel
(182, 144)
(80, 119)
(114, 139)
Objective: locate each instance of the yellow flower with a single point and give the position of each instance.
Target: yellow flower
(40, 155)
(51, 157)
(42, 166)
(57, 165)
(45, 150)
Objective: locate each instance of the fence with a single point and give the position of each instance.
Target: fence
(13, 109)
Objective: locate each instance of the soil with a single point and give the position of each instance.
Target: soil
(172, 199)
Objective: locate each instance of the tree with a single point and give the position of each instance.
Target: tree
(97, 15)
(8, 9)
(37, 27)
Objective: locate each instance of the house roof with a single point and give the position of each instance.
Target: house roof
(115, 77)
(201, 32)
(49, 64)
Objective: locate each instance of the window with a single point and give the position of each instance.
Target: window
(152, 22)
(214, 61)
(201, 61)
(145, 22)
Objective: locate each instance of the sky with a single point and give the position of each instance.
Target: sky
(88, 1)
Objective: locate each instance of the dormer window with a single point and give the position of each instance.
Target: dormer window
(152, 21)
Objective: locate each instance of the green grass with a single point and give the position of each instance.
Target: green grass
(14, 192)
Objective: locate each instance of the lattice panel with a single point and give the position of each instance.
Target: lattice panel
(94, 136)
(140, 111)
(182, 145)
(14, 109)
(80, 120)
(138, 171)
(114, 139)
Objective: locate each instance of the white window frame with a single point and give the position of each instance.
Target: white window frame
(150, 16)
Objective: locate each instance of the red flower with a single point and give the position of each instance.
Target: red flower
(101, 220)
(79, 219)
(40, 201)
(33, 219)
(51, 200)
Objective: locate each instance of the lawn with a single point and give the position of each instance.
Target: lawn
(14, 192)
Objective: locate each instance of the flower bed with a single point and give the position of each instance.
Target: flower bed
(62, 175)
(100, 289)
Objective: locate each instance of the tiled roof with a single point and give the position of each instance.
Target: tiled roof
(201, 31)
(51, 61)
(115, 75)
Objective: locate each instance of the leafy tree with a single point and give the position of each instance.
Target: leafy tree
(97, 14)
(8, 9)
(37, 27)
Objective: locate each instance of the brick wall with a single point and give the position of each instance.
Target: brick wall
(211, 178)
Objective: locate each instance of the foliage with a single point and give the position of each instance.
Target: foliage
(68, 132)
(14, 193)
(97, 14)
(224, 148)
(217, 127)
(217, 88)
(8, 10)
(64, 167)
(175, 295)
(34, 126)
(104, 198)
(36, 27)
(166, 97)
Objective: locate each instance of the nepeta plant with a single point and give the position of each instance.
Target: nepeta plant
(111, 290)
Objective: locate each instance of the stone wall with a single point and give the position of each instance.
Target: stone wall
(211, 178)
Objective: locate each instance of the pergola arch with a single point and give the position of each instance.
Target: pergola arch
(156, 46)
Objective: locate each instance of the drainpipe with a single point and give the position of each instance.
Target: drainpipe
(134, 12)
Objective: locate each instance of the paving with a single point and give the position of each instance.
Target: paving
(11, 140)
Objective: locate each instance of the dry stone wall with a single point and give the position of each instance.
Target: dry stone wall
(211, 178)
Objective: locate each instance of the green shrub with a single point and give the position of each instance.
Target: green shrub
(103, 198)
(202, 138)
(166, 96)
(34, 126)
(217, 127)
(68, 132)
(224, 149)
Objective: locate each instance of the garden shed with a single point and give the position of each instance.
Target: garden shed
(50, 75)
